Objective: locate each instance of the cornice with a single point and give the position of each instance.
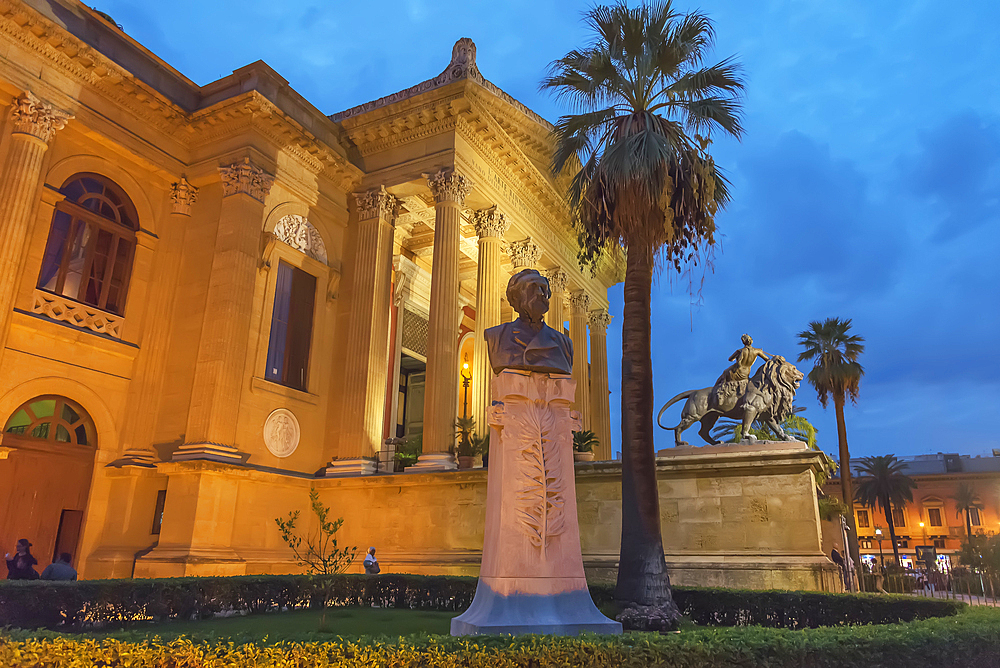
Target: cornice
(252, 111)
(411, 122)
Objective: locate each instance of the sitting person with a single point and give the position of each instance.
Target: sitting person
(371, 563)
(60, 569)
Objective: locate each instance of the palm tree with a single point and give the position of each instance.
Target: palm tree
(643, 181)
(965, 501)
(885, 487)
(837, 374)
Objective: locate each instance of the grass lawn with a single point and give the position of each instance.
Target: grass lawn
(349, 622)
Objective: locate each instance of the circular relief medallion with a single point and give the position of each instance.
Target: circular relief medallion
(281, 432)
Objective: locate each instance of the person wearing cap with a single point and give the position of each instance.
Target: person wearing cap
(371, 563)
(21, 565)
(60, 569)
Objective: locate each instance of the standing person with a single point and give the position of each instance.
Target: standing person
(839, 560)
(21, 565)
(60, 569)
(371, 563)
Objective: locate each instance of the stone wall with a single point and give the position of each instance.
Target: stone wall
(735, 516)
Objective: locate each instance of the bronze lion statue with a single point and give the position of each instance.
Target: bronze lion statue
(767, 396)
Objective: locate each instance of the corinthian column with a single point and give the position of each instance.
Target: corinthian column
(600, 411)
(368, 337)
(34, 124)
(222, 351)
(557, 282)
(441, 395)
(579, 301)
(524, 254)
(490, 225)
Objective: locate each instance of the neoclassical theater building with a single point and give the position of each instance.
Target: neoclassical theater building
(213, 297)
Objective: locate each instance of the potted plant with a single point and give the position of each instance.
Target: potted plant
(467, 450)
(408, 451)
(583, 445)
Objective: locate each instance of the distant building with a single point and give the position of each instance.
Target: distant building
(933, 518)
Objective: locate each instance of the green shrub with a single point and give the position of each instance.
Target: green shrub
(111, 603)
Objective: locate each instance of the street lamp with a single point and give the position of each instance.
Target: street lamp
(466, 379)
(878, 536)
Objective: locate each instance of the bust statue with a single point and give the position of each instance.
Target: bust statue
(528, 343)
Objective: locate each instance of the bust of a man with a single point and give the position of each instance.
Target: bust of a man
(528, 343)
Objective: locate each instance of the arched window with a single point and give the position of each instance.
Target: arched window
(88, 257)
(52, 418)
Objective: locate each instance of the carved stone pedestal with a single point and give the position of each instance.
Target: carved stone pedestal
(338, 468)
(532, 578)
(434, 461)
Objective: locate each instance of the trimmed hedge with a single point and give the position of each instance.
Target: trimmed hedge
(110, 603)
(967, 640)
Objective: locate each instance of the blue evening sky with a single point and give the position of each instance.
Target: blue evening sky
(867, 185)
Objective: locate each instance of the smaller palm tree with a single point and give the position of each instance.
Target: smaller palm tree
(965, 501)
(885, 487)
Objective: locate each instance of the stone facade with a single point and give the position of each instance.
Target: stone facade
(182, 263)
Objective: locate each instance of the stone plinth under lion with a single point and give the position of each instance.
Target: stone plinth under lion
(532, 578)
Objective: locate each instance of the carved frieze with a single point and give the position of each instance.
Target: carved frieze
(524, 254)
(490, 223)
(247, 178)
(300, 234)
(579, 301)
(558, 280)
(377, 203)
(33, 117)
(183, 195)
(599, 320)
(448, 185)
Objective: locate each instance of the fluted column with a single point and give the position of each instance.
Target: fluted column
(600, 410)
(441, 394)
(579, 302)
(34, 123)
(490, 225)
(557, 283)
(366, 369)
(222, 351)
(524, 254)
(146, 387)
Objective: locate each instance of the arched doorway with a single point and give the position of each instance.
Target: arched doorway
(47, 451)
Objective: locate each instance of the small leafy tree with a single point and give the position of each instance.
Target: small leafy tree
(585, 441)
(465, 428)
(320, 553)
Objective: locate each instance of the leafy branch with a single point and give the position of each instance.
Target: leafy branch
(319, 553)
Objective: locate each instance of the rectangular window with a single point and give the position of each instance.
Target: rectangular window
(863, 519)
(975, 518)
(865, 544)
(161, 501)
(902, 543)
(898, 518)
(291, 327)
(934, 516)
(939, 542)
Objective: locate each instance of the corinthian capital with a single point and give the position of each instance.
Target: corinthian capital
(449, 186)
(599, 320)
(247, 178)
(490, 223)
(33, 117)
(558, 280)
(183, 195)
(579, 301)
(524, 254)
(377, 203)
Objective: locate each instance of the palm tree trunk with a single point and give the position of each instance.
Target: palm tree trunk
(642, 572)
(968, 526)
(887, 509)
(845, 481)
